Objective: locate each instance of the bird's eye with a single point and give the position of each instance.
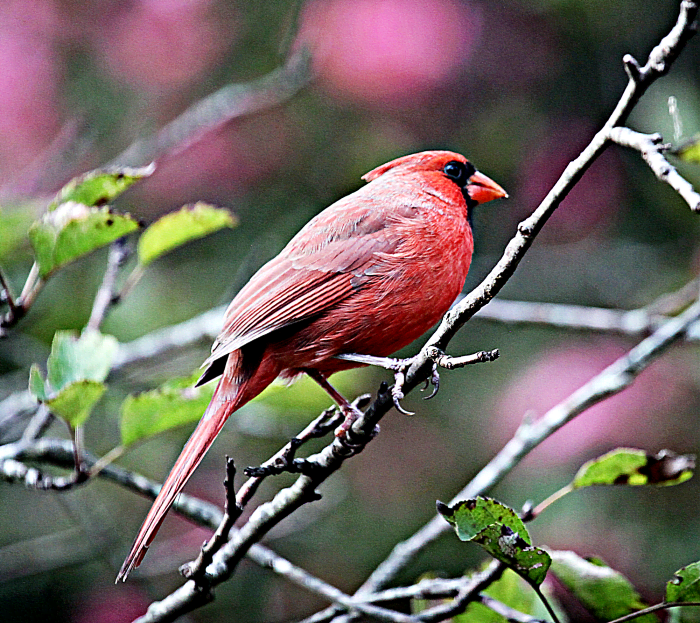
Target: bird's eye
(459, 172)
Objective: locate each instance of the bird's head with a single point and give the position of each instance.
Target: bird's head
(453, 167)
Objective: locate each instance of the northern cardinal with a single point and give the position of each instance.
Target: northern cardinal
(369, 274)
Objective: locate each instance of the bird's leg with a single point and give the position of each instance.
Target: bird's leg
(399, 367)
(350, 411)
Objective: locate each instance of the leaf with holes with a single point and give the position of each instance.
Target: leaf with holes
(684, 586)
(101, 186)
(177, 228)
(629, 466)
(499, 530)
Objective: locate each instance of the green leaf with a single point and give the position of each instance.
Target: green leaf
(604, 592)
(73, 359)
(689, 150)
(500, 531)
(101, 186)
(685, 586)
(175, 403)
(75, 402)
(629, 466)
(76, 368)
(528, 561)
(470, 517)
(177, 228)
(73, 230)
(37, 387)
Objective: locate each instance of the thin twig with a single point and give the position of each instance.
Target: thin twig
(40, 421)
(6, 295)
(195, 569)
(652, 148)
(654, 608)
(233, 101)
(18, 307)
(284, 459)
(508, 613)
(105, 297)
(31, 288)
(468, 594)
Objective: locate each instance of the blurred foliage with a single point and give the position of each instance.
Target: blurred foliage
(75, 371)
(511, 590)
(604, 592)
(174, 229)
(519, 88)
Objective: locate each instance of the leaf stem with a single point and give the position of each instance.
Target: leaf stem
(550, 500)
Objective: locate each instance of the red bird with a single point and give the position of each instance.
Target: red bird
(369, 274)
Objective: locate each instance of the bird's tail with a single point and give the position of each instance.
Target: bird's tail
(230, 394)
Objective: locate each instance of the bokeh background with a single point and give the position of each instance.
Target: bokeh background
(519, 87)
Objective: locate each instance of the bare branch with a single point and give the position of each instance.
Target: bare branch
(231, 102)
(59, 452)
(652, 148)
(467, 594)
(508, 613)
(195, 569)
(18, 307)
(655, 608)
(6, 295)
(105, 297)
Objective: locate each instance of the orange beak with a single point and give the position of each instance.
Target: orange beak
(482, 189)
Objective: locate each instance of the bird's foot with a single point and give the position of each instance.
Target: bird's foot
(351, 413)
(399, 367)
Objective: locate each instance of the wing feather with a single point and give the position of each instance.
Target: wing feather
(334, 256)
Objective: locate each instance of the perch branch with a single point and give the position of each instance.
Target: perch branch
(610, 381)
(640, 78)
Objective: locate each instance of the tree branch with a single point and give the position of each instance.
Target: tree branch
(106, 295)
(659, 62)
(230, 102)
(610, 381)
(634, 322)
(59, 452)
(652, 148)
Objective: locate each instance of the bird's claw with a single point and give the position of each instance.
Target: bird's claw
(397, 396)
(397, 366)
(434, 380)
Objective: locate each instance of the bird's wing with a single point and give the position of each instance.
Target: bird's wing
(333, 256)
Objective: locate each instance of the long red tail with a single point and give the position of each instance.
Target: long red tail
(229, 396)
